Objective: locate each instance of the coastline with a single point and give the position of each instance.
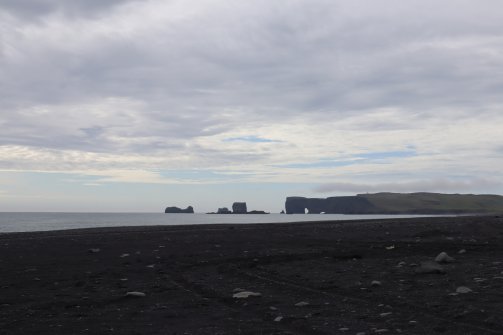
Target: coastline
(75, 281)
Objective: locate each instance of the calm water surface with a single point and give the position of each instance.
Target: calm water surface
(23, 222)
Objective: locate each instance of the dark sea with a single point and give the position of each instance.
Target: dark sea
(25, 222)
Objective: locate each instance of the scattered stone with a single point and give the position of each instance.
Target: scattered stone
(343, 329)
(272, 308)
(278, 319)
(401, 264)
(135, 294)
(382, 315)
(412, 322)
(463, 289)
(124, 255)
(429, 267)
(238, 290)
(462, 251)
(245, 294)
(360, 333)
(391, 247)
(302, 304)
(94, 250)
(380, 331)
(444, 258)
(151, 266)
(375, 283)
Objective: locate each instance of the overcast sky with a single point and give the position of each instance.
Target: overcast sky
(117, 105)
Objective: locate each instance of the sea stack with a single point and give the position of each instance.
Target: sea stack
(173, 209)
(239, 208)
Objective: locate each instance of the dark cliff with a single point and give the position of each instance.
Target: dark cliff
(332, 205)
(397, 203)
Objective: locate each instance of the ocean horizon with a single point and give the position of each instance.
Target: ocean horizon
(11, 222)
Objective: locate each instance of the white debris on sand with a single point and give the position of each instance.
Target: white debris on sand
(246, 294)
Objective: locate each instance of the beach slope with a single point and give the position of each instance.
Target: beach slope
(371, 277)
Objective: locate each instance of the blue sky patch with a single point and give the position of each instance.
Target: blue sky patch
(365, 158)
(252, 139)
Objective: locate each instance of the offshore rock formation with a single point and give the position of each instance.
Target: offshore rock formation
(333, 205)
(224, 210)
(188, 210)
(397, 203)
(239, 208)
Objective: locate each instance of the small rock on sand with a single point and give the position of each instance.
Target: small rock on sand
(463, 289)
(278, 319)
(302, 304)
(135, 294)
(429, 267)
(444, 258)
(375, 283)
(94, 250)
(245, 294)
(462, 251)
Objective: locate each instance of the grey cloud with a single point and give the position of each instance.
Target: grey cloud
(30, 9)
(229, 62)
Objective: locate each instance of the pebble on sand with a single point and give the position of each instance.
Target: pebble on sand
(135, 294)
(463, 289)
(245, 294)
(444, 258)
(462, 251)
(278, 319)
(94, 250)
(375, 283)
(302, 304)
(429, 267)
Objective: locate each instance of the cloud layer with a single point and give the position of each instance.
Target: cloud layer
(148, 91)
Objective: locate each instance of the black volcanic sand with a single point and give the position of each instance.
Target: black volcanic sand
(52, 283)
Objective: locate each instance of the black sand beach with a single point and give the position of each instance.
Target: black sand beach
(358, 277)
